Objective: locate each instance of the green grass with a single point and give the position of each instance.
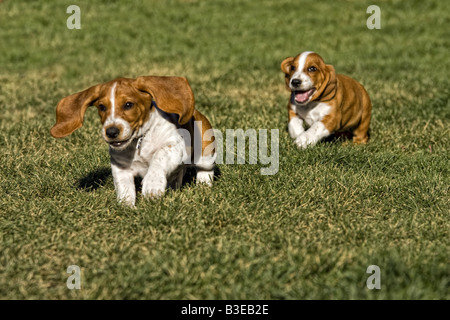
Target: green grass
(308, 232)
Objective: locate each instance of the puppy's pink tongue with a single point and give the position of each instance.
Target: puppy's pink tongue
(302, 96)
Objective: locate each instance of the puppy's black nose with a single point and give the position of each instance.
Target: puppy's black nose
(296, 83)
(112, 132)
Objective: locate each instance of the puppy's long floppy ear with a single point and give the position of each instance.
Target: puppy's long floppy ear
(70, 111)
(286, 64)
(171, 94)
(328, 88)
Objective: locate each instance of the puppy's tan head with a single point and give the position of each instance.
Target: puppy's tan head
(308, 77)
(124, 106)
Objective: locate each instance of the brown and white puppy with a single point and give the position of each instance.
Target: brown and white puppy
(326, 102)
(152, 128)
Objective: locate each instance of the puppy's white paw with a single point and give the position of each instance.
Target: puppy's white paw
(295, 127)
(154, 188)
(312, 136)
(126, 195)
(205, 177)
(127, 202)
(303, 141)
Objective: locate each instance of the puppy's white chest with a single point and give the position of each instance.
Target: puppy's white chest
(312, 112)
(158, 137)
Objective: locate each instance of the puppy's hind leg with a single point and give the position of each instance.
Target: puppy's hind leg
(205, 176)
(205, 170)
(360, 136)
(361, 133)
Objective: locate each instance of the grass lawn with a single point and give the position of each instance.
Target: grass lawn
(310, 231)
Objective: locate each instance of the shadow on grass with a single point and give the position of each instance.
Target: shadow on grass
(94, 179)
(341, 137)
(98, 178)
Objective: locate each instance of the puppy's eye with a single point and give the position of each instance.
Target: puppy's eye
(128, 105)
(292, 68)
(102, 107)
(312, 69)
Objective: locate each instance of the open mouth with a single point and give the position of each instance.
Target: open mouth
(118, 144)
(303, 96)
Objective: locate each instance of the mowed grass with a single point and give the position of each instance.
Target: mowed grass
(308, 232)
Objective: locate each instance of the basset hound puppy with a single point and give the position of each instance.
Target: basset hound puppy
(152, 128)
(328, 103)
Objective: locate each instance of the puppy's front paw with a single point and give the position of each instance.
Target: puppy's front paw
(154, 188)
(295, 127)
(126, 195)
(127, 202)
(303, 141)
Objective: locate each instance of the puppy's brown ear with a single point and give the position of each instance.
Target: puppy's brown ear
(286, 64)
(70, 111)
(328, 88)
(171, 94)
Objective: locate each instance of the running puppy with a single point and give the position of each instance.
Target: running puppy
(152, 128)
(326, 102)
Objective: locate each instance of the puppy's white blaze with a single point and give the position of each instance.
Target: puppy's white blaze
(112, 99)
(302, 60)
(126, 131)
(300, 74)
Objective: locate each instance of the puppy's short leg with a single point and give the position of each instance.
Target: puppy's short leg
(295, 124)
(205, 176)
(314, 134)
(295, 127)
(154, 184)
(361, 133)
(162, 165)
(124, 185)
(205, 169)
